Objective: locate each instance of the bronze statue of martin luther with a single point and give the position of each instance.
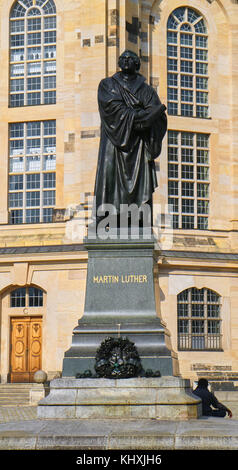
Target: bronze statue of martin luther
(133, 124)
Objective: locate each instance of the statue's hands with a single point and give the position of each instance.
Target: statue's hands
(145, 118)
(155, 111)
(138, 106)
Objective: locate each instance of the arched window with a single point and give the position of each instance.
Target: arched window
(187, 63)
(26, 297)
(32, 53)
(199, 321)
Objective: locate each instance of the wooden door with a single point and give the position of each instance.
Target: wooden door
(26, 348)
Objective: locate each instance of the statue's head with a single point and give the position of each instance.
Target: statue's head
(129, 62)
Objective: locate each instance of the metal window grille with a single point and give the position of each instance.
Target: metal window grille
(32, 177)
(26, 297)
(188, 179)
(199, 321)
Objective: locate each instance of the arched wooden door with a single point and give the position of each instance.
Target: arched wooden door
(26, 348)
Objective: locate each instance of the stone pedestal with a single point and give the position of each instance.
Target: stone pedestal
(37, 392)
(168, 398)
(122, 299)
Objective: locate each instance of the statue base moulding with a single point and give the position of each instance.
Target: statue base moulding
(167, 398)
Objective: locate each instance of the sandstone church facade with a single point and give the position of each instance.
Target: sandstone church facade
(53, 55)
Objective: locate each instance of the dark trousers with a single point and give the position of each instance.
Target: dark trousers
(217, 413)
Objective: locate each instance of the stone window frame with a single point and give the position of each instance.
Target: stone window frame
(187, 58)
(32, 60)
(188, 179)
(32, 175)
(199, 320)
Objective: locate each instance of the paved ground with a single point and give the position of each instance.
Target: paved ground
(17, 413)
(21, 430)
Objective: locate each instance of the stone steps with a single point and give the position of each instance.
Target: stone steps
(16, 394)
(117, 434)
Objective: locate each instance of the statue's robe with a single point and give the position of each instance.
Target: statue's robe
(131, 136)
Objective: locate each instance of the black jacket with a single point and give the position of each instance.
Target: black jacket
(208, 400)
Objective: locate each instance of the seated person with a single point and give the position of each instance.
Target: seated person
(209, 400)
